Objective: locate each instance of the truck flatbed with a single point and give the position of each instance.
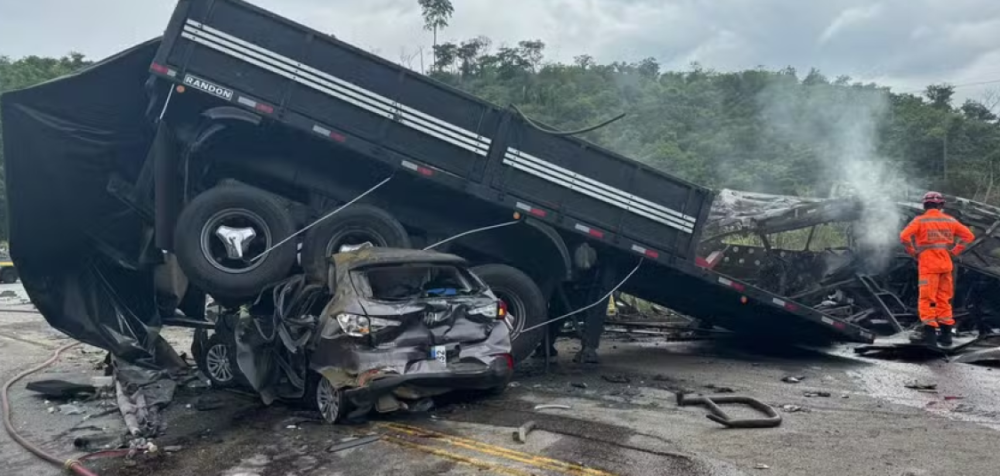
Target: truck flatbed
(250, 58)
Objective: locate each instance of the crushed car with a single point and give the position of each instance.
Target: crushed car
(389, 329)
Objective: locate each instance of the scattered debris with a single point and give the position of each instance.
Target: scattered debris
(552, 407)
(952, 397)
(980, 356)
(172, 448)
(792, 408)
(579, 384)
(771, 419)
(292, 427)
(513, 384)
(791, 379)
(70, 409)
(719, 389)
(140, 445)
(761, 466)
(61, 389)
(96, 441)
(349, 443)
(661, 378)
(845, 396)
(617, 378)
(916, 385)
(963, 408)
(102, 381)
(521, 435)
(817, 394)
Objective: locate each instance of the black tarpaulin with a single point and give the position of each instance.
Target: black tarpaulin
(75, 245)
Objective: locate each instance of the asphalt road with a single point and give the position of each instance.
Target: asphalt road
(623, 419)
(26, 340)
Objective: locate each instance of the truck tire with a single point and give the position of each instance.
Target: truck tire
(525, 305)
(219, 270)
(354, 225)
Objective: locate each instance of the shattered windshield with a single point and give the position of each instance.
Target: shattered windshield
(414, 281)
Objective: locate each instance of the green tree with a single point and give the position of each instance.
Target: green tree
(436, 14)
(977, 111)
(758, 130)
(940, 95)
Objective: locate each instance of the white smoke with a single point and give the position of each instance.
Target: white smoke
(841, 125)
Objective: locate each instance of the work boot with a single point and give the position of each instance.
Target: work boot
(944, 338)
(924, 335)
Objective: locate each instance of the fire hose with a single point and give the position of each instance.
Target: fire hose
(72, 464)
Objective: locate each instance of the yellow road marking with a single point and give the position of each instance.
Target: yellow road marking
(476, 463)
(502, 452)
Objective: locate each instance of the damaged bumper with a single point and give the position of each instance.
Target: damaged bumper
(458, 377)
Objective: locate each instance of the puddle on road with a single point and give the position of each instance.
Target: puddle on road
(964, 392)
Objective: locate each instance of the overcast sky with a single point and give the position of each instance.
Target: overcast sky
(903, 43)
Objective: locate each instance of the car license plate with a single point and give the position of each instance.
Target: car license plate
(440, 354)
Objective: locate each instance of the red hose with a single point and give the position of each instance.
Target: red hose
(73, 465)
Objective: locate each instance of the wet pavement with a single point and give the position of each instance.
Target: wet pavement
(847, 415)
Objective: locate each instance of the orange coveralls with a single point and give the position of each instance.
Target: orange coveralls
(933, 238)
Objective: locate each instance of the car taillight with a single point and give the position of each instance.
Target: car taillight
(508, 359)
(501, 309)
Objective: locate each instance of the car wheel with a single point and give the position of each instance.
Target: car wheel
(8, 276)
(220, 362)
(525, 305)
(221, 232)
(329, 401)
(354, 225)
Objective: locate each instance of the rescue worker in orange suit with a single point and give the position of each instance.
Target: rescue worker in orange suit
(934, 238)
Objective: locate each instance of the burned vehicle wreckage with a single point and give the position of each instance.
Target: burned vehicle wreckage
(818, 252)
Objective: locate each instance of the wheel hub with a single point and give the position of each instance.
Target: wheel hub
(233, 238)
(327, 400)
(217, 361)
(237, 240)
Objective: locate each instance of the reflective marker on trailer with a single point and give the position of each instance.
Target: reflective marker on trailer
(588, 230)
(837, 324)
(647, 252)
(328, 133)
(784, 304)
(732, 284)
(418, 169)
(538, 212)
(159, 68)
(257, 106)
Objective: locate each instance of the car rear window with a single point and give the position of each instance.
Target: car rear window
(415, 281)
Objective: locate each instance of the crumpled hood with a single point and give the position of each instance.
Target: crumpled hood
(469, 341)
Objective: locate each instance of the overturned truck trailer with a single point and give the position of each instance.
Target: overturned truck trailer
(186, 166)
(818, 252)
